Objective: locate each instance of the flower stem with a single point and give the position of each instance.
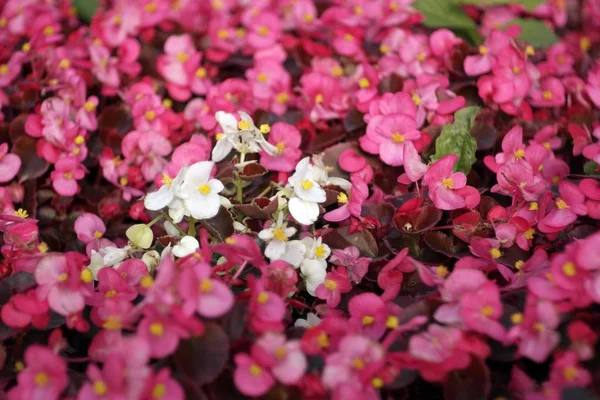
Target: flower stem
(155, 220)
(239, 271)
(174, 224)
(192, 227)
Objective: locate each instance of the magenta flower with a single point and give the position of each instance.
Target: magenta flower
(444, 185)
(209, 297)
(368, 314)
(391, 275)
(391, 134)
(67, 171)
(25, 308)
(551, 93)
(161, 333)
(486, 59)
(88, 227)
(285, 359)
(45, 375)
(565, 210)
(9, 164)
(286, 138)
(106, 383)
(161, 385)
(264, 31)
(349, 205)
(251, 378)
(336, 283)
(349, 258)
(480, 310)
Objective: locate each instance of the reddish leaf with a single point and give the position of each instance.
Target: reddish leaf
(468, 225)
(114, 122)
(253, 171)
(32, 166)
(260, 208)
(363, 240)
(471, 383)
(221, 225)
(17, 127)
(203, 358)
(442, 243)
(425, 218)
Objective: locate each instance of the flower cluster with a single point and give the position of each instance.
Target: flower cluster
(308, 199)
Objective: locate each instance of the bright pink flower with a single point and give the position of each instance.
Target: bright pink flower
(367, 313)
(592, 88)
(519, 180)
(108, 382)
(284, 358)
(442, 41)
(486, 59)
(550, 93)
(45, 375)
(556, 10)
(161, 333)
(349, 258)
(250, 378)
(583, 339)
(207, 296)
(264, 31)
(287, 139)
(67, 171)
(350, 205)
(179, 53)
(88, 227)
(537, 331)
(111, 284)
(567, 371)
(147, 149)
(391, 275)
(336, 283)
(566, 208)
(86, 115)
(444, 184)
(9, 164)
(391, 134)
(11, 69)
(367, 82)
(25, 308)
(163, 385)
(62, 281)
(481, 310)
(104, 66)
(118, 23)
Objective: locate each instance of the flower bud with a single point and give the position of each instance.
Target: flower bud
(140, 235)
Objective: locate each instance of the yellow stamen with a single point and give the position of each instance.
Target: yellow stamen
(561, 204)
(49, 30)
(364, 83)
(255, 370)
(206, 285)
(223, 34)
(79, 140)
(320, 251)
(19, 366)
(68, 175)
(519, 154)
(358, 10)
(585, 44)
(201, 73)
(367, 320)
(570, 373)
(264, 129)
(112, 323)
(150, 115)
(323, 340)
(262, 31)
(442, 271)
(41, 379)
(358, 363)
(159, 391)
(217, 5)
(63, 277)
(166, 179)
(397, 138)
(262, 298)
(487, 311)
(100, 388)
(392, 322)
(282, 98)
(533, 206)
(421, 57)
(495, 253)
(280, 147)
(529, 233)
(342, 198)
(348, 37)
(64, 63)
(539, 327)
(483, 50)
(377, 382)
(262, 77)
(448, 183)
(21, 213)
(308, 18)
(516, 70)
(240, 32)
(319, 98)
(157, 329)
(110, 293)
(519, 264)
(416, 99)
(244, 125)
(530, 51)
(26, 47)
(307, 184)
(43, 247)
(280, 235)
(167, 103)
(569, 269)
(516, 318)
(86, 276)
(384, 48)
(146, 282)
(330, 284)
(204, 189)
(280, 353)
(547, 95)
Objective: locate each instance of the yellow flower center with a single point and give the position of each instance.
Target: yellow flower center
(393, 5)
(519, 264)
(342, 198)
(43, 247)
(151, 7)
(442, 271)
(397, 138)
(26, 47)
(337, 71)
(200, 73)
(307, 184)
(392, 322)
(3, 22)
(280, 235)
(330, 284)
(533, 206)
(265, 128)
(421, 57)
(262, 298)
(146, 282)
(384, 48)
(280, 147)
(487, 311)
(217, 5)
(223, 34)
(64, 63)
(519, 154)
(110, 293)
(348, 37)
(308, 18)
(255, 370)
(262, 77)
(166, 180)
(100, 388)
(79, 140)
(63, 277)
(570, 373)
(377, 382)
(86, 276)
(495, 253)
(367, 320)
(49, 30)
(358, 10)
(150, 115)
(516, 70)
(112, 323)
(168, 103)
(547, 95)
(157, 329)
(320, 251)
(319, 98)
(204, 189)
(364, 83)
(323, 340)
(516, 318)
(206, 285)
(561, 204)
(159, 390)
(585, 44)
(280, 353)
(483, 50)
(21, 213)
(358, 363)
(539, 327)
(19, 366)
(448, 183)
(41, 379)
(416, 99)
(282, 98)
(68, 175)
(219, 136)
(569, 269)
(244, 125)
(529, 233)
(263, 31)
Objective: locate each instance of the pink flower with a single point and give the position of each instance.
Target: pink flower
(566, 208)
(391, 134)
(45, 375)
(566, 371)
(592, 88)
(250, 378)
(88, 227)
(161, 333)
(112, 284)
(486, 59)
(414, 168)
(285, 360)
(179, 52)
(104, 66)
(349, 258)
(147, 150)
(480, 310)
(350, 205)
(392, 274)
(264, 31)
(336, 283)
(518, 180)
(367, 313)
(67, 171)
(537, 331)
(287, 139)
(25, 308)
(86, 115)
(209, 297)
(583, 339)
(550, 93)
(118, 23)
(9, 164)
(63, 281)
(444, 185)
(162, 385)
(323, 96)
(104, 383)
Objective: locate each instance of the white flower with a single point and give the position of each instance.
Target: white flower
(276, 237)
(140, 235)
(106, 257)
(165, 195)
(171, 229)
(310, 321)
(244, 136)
(151, 259)
(186, 246)
(295, 253)
(320, 173)
(200, 193)
(316, 250)
(314, 274)
(308, 193)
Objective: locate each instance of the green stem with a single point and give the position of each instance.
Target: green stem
(239, 193)
(261, 194)
(155, 220)
(192, 227)
(174, 224)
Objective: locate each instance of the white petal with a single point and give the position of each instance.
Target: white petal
(225, 202)
(289, 232)
(158, 200)
(275, 249)
(227, 121)
(114, 256)
(312, 268)
(305, 212)
(294, 253)
(314, 194)
(170, 229)
(203, 207)
(198, 173)
(341, 182)
(266, 234)
(186, 246)
(301, 171)
(221, 149)
(215, 186)
(246, 117)
(96, 264)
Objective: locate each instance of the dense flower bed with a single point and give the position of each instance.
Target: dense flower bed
(312, 199)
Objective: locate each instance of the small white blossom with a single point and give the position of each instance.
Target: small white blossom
(304, 205)
(314, 274)
(186, 246)
(165, 195)
(276, 236)
(310, 321)
(200, 193)
(243, 136)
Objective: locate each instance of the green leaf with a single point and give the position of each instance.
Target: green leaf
(444, 14)
(86, 8)
(591, 168)
(529, 4)
(535, 32)
(456, 139)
